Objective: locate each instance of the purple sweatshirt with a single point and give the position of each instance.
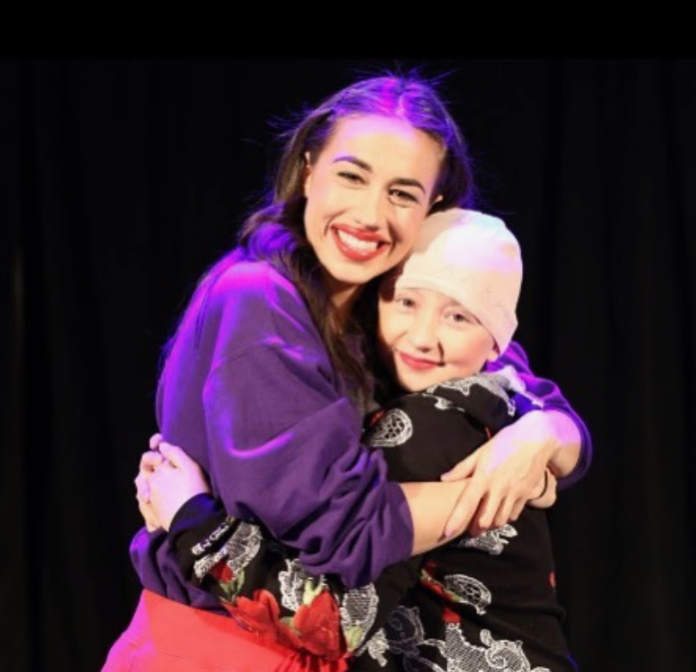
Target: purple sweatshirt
(249, 391)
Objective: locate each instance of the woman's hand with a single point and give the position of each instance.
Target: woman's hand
(548, 492)
(173, 482)
(507, 472)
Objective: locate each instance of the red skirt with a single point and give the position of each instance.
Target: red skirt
(165, 636)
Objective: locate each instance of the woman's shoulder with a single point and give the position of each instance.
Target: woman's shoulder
(252, 302)
(252, 280)
(257, 289)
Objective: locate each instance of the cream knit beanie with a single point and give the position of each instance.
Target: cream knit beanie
(475, 260)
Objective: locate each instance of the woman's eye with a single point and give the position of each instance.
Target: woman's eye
(351, 177)
(404, 197)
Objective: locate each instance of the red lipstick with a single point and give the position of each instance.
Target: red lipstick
(353, 252)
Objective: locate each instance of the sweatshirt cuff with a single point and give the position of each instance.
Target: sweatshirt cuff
(585, 459)
(192, 526)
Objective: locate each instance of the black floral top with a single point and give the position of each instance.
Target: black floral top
(473, 605)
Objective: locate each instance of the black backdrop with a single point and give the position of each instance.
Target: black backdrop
(121, 180)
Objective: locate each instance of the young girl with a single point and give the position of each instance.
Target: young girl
(265, 384)
(475, 604)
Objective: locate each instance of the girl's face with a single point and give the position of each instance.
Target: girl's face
(426, 338)
(368, 192)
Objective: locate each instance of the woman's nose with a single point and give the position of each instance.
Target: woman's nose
(368, 210)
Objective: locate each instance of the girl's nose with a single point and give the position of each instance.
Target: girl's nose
(422, 334)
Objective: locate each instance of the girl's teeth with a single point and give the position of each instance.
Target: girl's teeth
(356, 243)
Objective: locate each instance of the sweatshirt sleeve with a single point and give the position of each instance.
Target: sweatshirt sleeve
(284, 438)
(547, 392)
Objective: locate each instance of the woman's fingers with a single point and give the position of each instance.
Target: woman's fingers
(155, 440)
(504, 474)
(504, 513)
(466, 506)
(547, 493)
(517, 509)
(463, 469)
(484, 519)
(494, 509)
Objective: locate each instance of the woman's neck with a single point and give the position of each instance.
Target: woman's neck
(343, 297)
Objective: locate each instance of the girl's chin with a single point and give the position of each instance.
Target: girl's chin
(410, 386)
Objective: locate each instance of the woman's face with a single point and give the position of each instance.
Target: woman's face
(426, 338)
(368, 192)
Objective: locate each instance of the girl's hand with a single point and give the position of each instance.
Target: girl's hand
(173, 482)
(504, 474)
(148, 463)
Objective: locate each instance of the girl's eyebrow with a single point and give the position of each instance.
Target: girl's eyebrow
(404, 181)
(459, 306)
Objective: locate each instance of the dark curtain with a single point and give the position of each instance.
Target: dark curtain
(122, 180)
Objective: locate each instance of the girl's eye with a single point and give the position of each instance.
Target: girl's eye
(404, 302)
(459, 318)
(403, 197)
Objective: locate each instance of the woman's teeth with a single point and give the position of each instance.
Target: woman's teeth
(357, 243)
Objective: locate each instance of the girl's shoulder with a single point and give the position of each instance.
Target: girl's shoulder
(487, 397)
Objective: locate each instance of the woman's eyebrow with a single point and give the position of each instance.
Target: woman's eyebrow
(404, 181)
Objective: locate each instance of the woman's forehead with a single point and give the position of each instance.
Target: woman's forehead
(384, 143)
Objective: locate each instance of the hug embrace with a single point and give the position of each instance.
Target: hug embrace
(284, 533)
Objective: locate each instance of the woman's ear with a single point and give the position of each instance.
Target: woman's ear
(435, 200)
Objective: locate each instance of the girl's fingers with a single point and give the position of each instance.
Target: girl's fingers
(176, 456)
(150, 460)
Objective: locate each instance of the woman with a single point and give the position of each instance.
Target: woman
(264, 381)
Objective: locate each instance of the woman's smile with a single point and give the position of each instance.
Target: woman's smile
(358, 244)
(367, 193)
